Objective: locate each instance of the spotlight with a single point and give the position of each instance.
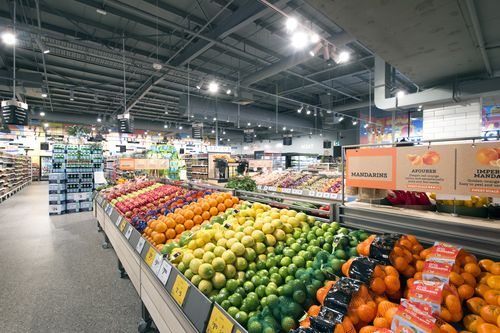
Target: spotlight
(99, 119)
(344, 56)
(213, 131)
(180, 127)
(228, 140)
(42, 114)
(400, 93)
(365, 126)
(71, 95)
(284, 128)
(299, 110)
(213, 87)
(315, 50)
(101, 11)
(228, 92)
(259, 125)
(341, 117)
(270, 127)
(187, 136)
(249, 124)
(308, 112)
(291, 24)
(165, 126)
(224, 132)
(354, 122)
(45, 125)
(9, 38)
(198, 86)
(314, 38)
(299, 40)
(44, 95)
(42, 46)
(214, 119)
(291, 130)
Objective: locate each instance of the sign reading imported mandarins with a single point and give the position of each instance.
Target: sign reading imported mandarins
(478, 169)
(371, 168)
(126, 164)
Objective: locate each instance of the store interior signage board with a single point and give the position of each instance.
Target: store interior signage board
(218, 149)
(126, 164)
(428, 169)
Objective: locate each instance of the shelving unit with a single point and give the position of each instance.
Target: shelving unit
(197, 166)
(71, 180)
(15, 174)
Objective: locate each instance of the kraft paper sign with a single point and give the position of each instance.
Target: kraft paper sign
(371, 168)
(126, 164)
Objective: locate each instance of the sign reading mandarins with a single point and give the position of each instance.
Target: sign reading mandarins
(371, 168)
(426, 169)
(463, 169)
(478, 171)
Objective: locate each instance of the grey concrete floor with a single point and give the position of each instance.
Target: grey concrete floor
(54, 275)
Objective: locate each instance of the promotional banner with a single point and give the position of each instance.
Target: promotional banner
(371, 168)
(463, 169)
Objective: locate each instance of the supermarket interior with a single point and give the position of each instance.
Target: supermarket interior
(250, 166)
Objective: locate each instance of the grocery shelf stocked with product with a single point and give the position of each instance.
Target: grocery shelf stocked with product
(71, 180)
(197, 166)
(250, 262)
(15, 173)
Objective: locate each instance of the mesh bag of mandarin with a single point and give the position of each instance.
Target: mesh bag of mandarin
(400, 251)
(381, 279)
(450, 264)
(441, 297)
(346, 304)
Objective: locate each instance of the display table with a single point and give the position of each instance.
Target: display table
(174, 304)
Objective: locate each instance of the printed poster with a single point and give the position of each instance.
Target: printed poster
(371, 168)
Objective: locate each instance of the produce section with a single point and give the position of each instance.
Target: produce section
(271, 269)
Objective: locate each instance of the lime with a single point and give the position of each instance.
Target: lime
(340, 254)
(263, 302)
(218, 264)
(287, 324)
(236, 300)
(292, 269)
(232, 284)
(252, 303)
(232, 311)
(240, 291)
(238, 248)
(287, 289)
(196, 280)
(241, 264)
(248, 286)
(260, 265)
(270, 240)
(229, 256)
(283, 271)
(328, 247)
(260, 248)
(241, 317)
(206, 271)
(194, 265)
(272, 300)
(250, 254)
(289, 278)
(299, 261)
(264, 279)
(254, 326)
(271, 290)
(222, 242)
(271, 262)
(182, 267)
(229, 271)
(198, 253)
(276, 278)
(261, 291)
(225, 304)
(299, 296)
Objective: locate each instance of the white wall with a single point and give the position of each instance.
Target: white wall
(452, 121)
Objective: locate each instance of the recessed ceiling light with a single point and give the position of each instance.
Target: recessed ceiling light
(165, 126)
(291, 24)
(228, 92)
(224, 132)
(344, 56)
(213, 87)
(400, 93)
(299, 40)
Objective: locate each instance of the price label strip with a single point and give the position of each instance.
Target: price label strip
(219, 322)
(155, 267)
(129, 232)
(122, 225)
(150, 256)
(119, 220)
(179, 290)
(109, 210)
(164, 272)
(140, 245)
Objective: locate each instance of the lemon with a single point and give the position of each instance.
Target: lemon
(238, 248)
(267, 228)
(258, 236)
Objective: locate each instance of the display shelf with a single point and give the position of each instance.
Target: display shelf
(15, 173)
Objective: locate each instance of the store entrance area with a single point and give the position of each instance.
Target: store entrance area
(55, 275)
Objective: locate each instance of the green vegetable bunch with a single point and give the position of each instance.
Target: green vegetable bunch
(242, 183)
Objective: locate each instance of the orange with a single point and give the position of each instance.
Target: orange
(197, 210)
(453, 303)
(221, 207)
(481, 289)
(170, 223)
(493, 281)
(381, 322)
(228, 203)
(205, 206)
(418, 276)
(389, 314)
(378, 271)
(486, 264)
(469, 279)
(419, 265)
(212, 202)
(409, 271)
(220, 198)
(197, 219)
(466, 291)
(377, 285)
(170, 233)
(321, 294)
(205, 215)
(473, 269)
(392, 283)
(390, 270)
(153, 224)
(346, 266)
(447, 328)
(487, 328)
(400, 263)
(213, 211)
(369, 329)
(406, 243)
(383, 306)
(366, 313)
(483, 277)
(491, 296)
(314, 310)
(189, 224)
(159, 238)
(445, 314)
(456, 279)
(179, 229)
(188, 214)
(160, 227)
(235, 200)
(472, 321)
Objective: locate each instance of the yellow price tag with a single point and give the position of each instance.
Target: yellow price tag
(279, 190)
(150, 256)
(179, 289)
(219, 322)
(122, 225)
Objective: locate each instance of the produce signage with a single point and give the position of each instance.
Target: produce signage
(371, 168)
(464, 169)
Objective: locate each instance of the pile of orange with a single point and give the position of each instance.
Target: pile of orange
(384, 279)
(171, 226)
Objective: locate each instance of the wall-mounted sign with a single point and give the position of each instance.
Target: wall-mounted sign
(371, 168)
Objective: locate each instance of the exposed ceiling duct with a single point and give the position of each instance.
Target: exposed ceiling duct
(226, 111)
(447, 93)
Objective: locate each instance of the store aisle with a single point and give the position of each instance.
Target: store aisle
(54, 275)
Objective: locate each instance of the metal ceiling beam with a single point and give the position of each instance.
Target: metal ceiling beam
(176, 11)
(476, 27)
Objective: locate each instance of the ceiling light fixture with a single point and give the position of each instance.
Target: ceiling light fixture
(291, 24)
(284, 128)
(43, 48)
(110, 130)
(9, 38)
(224, 132)
(299, 110)
(213, 131)
(249, 124)
(165, 125)
(291, 130)
(259, 125)
(99, 119)
(308, 112)
(71, 95)
(180, 127)
(44, 95)
(157, 66)
(365, 126)
(341, 117)
(270, 127)
(315, 50)
(228, 140)
(101, 11)
(45, 124)
(354, 122)
(145, 132)
(228, 92)
(344, 56)
(400, 93)
(314, 37)
(42, 114)
(213, 87)
(214, 119)
(326, 52)
(299, 40)
(93, 128)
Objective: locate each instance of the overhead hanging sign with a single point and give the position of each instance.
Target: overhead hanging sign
(462, 169)
(14, 112)
(197, 130)
(248, 135)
